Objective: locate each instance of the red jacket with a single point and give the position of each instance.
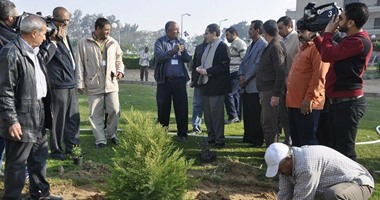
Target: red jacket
(349, 60)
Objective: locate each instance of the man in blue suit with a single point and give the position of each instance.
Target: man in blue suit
(247, 79)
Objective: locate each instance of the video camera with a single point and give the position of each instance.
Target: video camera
(316, 18)
(48, 19)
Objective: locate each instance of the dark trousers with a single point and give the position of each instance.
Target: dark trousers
(214, 118)
(253, 132)
(144, 72)
(173, 89)
(323, 126)
(34, 155)
(232, 100)
(303, 128)
(284, 118)
(66, 119)
(269, 118)
(343, 122)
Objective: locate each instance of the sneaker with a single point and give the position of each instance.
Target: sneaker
(115, 140)
(197, 130)
(230, 121)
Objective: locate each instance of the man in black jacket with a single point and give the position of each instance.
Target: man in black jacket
(64, 100)
(215, 82)
(8, 15)
(24, 109)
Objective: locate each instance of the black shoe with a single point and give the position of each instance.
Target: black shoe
(244, 141)
(115, 140)
(211, 141)
(100, 145)
(219, 145)
(57, 156)
(256, 145)
(181, 139)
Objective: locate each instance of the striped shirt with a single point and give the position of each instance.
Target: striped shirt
(316, 168)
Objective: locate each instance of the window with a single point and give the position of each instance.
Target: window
(377, 23)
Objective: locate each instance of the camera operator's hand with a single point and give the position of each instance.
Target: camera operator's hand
(312, 35)
(333, 24)
(57, 35)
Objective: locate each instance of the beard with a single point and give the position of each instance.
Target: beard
(343, 28)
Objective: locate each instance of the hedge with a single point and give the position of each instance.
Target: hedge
(133, 62)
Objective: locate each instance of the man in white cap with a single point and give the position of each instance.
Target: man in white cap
(313, 172)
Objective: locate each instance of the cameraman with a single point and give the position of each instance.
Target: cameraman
(64, 100)
(344, 82)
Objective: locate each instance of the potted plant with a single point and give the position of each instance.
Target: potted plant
(77, 156)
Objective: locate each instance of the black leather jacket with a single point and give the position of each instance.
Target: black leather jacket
(18, 95)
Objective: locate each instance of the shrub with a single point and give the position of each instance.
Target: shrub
(77, 152)
(131, 62)
(147, 164)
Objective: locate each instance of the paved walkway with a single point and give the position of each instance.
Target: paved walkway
(371, 87)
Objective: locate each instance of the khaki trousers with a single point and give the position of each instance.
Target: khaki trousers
(99, 105)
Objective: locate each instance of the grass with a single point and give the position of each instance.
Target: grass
(142, 98)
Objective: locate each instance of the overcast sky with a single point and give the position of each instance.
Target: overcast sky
(153, 14)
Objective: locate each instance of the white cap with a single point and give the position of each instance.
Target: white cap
(274, 154)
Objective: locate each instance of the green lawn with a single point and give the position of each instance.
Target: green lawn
(142, 98)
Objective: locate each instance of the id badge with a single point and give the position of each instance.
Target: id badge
(174, 62)
(104, 63)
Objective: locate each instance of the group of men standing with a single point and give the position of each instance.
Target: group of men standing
(282, 82)
(40, 76)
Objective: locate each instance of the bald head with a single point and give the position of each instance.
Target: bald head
(61, 16)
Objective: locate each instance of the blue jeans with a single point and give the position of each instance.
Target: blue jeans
(343, 123)
(232, 100)
(2, 147)
(197, 109)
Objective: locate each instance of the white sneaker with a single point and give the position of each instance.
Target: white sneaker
(230, 121)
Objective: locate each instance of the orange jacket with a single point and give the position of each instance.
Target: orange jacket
(306, 80)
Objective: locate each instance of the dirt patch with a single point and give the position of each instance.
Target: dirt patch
(220, 180)
(231, 180)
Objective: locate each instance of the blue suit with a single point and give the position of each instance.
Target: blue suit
(250, 95)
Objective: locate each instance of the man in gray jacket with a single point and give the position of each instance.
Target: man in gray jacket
(99, 68)
(253, 132)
